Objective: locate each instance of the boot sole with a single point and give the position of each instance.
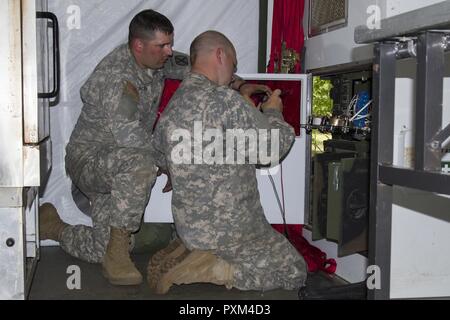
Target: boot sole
(156, 271)
(153, 268)
(161, 254)
(122, 282)
(161, 284)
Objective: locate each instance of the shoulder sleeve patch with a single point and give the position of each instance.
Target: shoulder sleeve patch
(131, 91)
(127, 109)
(181, 60)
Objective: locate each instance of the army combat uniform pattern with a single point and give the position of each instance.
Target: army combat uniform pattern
(109, 154)
(217, 206)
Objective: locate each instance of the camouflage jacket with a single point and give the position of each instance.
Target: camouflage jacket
(120, 105)
(214, 204)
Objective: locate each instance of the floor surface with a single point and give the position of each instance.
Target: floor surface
(54, 272)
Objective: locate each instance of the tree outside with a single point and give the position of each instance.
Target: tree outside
(322, 107)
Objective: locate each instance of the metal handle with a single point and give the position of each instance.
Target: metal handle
(56, 62)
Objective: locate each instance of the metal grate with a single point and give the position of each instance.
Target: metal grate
(326, 15)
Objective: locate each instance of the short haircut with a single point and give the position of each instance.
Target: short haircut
(146, 23)
(207, 41)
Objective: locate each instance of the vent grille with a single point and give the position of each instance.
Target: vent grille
(326, 14)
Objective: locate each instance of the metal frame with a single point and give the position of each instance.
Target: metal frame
(428, 47)
(430, 89)
(380, 217)
(262, 39)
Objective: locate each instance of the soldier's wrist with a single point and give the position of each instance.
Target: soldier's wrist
(273, 111)
(236, 83)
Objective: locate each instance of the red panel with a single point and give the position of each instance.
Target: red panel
(291, 94)
(170, 86)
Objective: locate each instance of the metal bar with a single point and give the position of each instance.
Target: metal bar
(428, 18)
(380, 217)
(421, 180)
(307, 111)
(429, 96)
(262, 55)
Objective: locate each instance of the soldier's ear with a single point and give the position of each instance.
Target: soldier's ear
(219, 55)
(137, 45)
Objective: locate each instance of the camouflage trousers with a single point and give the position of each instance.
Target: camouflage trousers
(118, 184)
(268, 262)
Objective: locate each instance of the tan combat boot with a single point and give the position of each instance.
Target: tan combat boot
(50, 224)
(164, 260)
(117, 265)
(197, 267)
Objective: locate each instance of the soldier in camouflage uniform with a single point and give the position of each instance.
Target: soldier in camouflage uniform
(216, 207)
(109, 153)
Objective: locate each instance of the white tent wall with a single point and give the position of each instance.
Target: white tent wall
(420, 243)
(91, 29)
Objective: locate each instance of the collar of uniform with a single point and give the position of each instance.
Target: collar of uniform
(197, 77)
(144, 75)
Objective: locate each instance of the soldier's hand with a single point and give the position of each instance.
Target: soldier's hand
(249, 89)
(168, 186)
(274, 102)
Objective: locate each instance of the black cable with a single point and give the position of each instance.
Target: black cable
(283, 212)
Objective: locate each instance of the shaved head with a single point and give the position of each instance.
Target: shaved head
(207, 42)
(213, 55)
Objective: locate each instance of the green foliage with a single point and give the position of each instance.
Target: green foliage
(318, 139)
(322, 107)
(322, 103)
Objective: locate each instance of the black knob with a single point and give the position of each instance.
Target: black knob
(10, 242)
